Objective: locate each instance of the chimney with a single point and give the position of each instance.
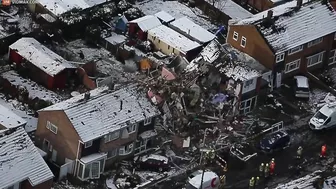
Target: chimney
(269, 14)
(298, 4)
(87, 96)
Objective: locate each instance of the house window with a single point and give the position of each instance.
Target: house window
(88, 144)
(125, 150)
(91, 170)
(112, 136)
(131, 128)
(45, 145)
(247, 106)
(52, 127)
(315, 42)
(315, 59)
(248, 83)
(112, 153)
(280, 57)
(235, 36)
(147, 121)
(168, 47)
(295, 49)
(243, 42)
(332, 59)
(291, 66)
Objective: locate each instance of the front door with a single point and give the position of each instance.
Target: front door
(54, 155)
(278, 80)
(95, 170)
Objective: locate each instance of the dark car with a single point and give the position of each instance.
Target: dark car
(274, 142)
(153, 162)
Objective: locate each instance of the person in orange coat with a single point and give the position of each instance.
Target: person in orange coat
(323, 151)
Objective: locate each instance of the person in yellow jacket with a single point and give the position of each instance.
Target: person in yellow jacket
(261, 169)
(266, 170)
(252, 183)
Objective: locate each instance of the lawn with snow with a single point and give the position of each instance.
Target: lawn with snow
(175, 9)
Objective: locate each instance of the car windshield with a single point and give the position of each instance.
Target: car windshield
(321, 116)
(273, 138)
(303, 89)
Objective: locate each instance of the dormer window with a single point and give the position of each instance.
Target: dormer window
(295, 49)
(243, 42)
(280, 57)
(235, 36)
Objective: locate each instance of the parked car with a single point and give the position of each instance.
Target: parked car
(301, 87)
(153, 162)
(325, 118)
(275, 141)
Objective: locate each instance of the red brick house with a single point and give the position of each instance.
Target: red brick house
(21, 165)
(289, 39)
(261, 5)
(138, 28)
(91, 131)
(43, 65)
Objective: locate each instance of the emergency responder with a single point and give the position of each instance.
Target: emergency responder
(272, 166)
(261, 169)
(266, 170)
(299, 152)
(252, 183)
(323, 151)
(222, 180)
(257, 181)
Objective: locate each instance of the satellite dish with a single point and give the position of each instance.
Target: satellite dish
(74, 93)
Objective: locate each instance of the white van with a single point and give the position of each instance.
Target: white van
(301, 87)
(210, 180)
(325, 118)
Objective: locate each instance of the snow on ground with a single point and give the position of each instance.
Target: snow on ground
(316, 95)
(175, 9)
(35, 90)
(19, 109)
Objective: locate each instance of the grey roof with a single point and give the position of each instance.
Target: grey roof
(164, 16)
(106, 111)
(192, 30)
(39, 55)
(20, 159)
(9, 119)
(230, 8)
(147, 22)
(293, 27)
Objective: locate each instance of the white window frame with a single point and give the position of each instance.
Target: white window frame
(332, 58)
(81, 176)
(295, 62)
(88, 144)
(147, 121)
(112, 136)
(126, 150)
(280, 57)
(114, 153)
(53, 128)
(132, 128)
(243, 39)
(248, 83)
(320, 59)
(248, 109)
(295, 50)
(235, 36)
(315, 42)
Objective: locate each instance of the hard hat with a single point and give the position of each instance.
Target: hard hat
(262, 164)
(266, 164)
(257, 178)
(252, 178)
(273, 159)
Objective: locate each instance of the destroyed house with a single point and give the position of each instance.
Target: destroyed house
(191, 30)
(170, 42)
(91, 131)
(139, 27)
(223, 10)
(21, 165)
(42, 65)
(234, 73)
(9, 119)
(292, 38)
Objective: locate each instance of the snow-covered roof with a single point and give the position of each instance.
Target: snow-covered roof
(115, 39)
(208, 176)
(35, 90)
(105, 111)
(58, 7)
(20, 160)
(230, 8)
(292, 27)
(306, 182)
(39, 55)
(192, 30)
(156, 157)
(164, 16)
(9, 119)
(147, 22)
(173, 38)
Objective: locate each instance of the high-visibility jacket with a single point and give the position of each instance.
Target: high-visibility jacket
(299, 151)
(261, 167)
(252, 182)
